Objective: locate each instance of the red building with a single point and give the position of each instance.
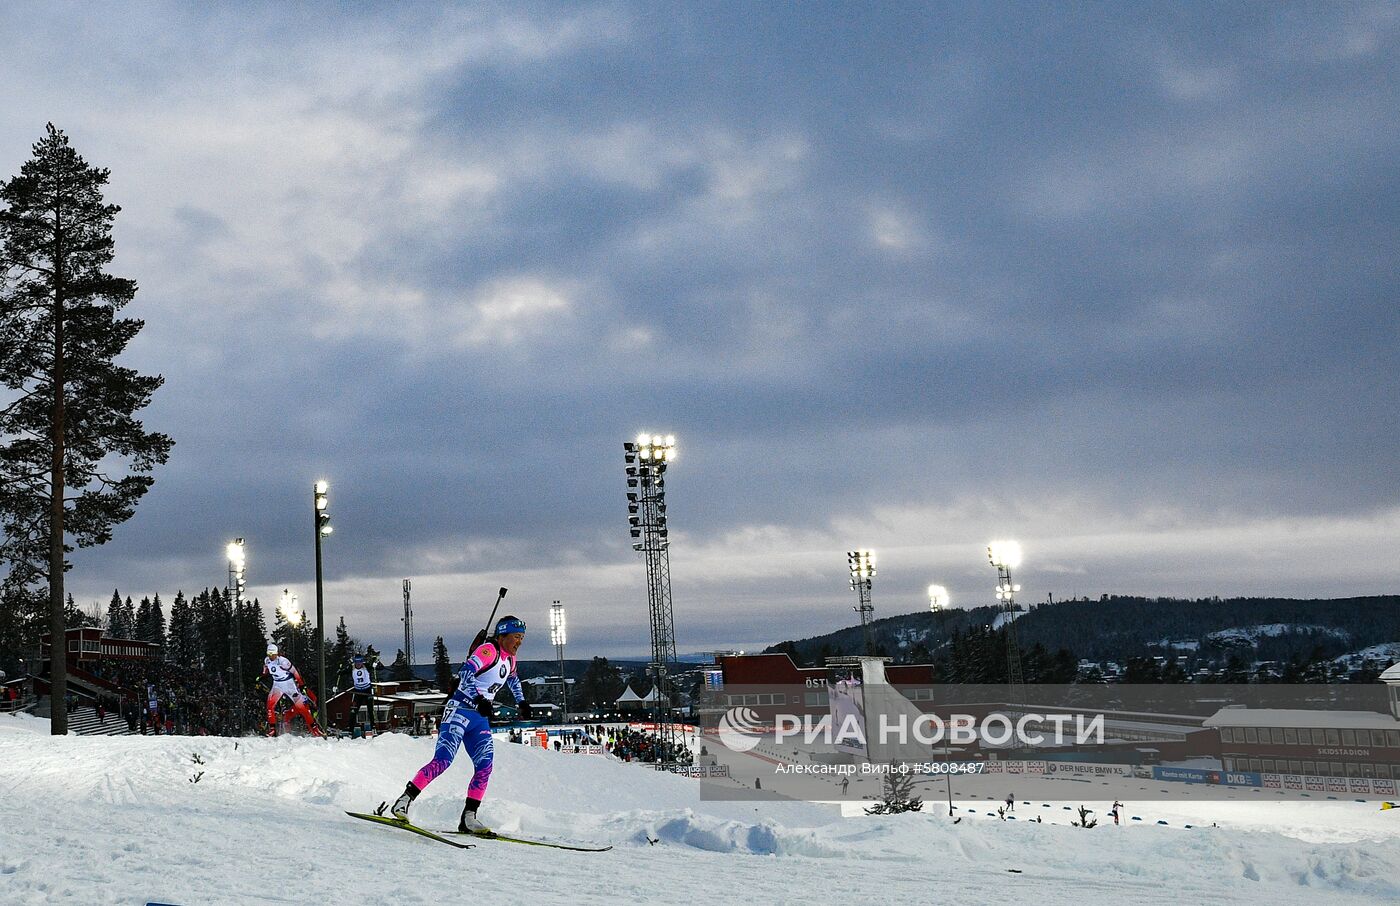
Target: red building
(87, 644)
(747, 670)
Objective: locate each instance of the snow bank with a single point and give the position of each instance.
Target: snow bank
(213, 821)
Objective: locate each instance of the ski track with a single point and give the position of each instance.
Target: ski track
(116, 820)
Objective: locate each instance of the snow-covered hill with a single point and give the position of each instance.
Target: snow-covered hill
(1250, 635)
(118, 820)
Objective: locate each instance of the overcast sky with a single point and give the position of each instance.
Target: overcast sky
(1117, 280)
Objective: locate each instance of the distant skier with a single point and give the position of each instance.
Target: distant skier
(1011, 802)
(1116, 806)
(285, 681)
(467, 718)
(362, 681)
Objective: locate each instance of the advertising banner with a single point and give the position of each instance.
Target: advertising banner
(1185, 775)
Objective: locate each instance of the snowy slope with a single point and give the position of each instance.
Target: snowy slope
(1252, 634)
(117, 820)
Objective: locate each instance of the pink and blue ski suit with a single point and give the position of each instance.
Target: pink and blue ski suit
(482, 676)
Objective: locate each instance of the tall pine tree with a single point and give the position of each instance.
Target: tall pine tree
(73, 615)
(338, 660)
(182, 644)
(442, 668)
(143, 620)
(399, 670)
(157, 624)
(74, 459)
(114, 615)
(23, 610)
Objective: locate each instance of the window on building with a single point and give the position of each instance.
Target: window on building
(1295, 766)
(1251, 735)
(1334, 738)
(1290, 736)
(1368, 770)
(1310, 768)
(1348, 737)
(1392, 738)
(1378, 738)
(1229, 763)
(1277, 735)
(1319, 738)
(1269, 765)
(1353, 770)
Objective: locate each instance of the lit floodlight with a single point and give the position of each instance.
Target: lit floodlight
(1004, 554)
(643, 439)
(327, 529)
(937, 597)
(558, 634)
(322, 486)
(289, 609)
(236, 555)
(862, 564)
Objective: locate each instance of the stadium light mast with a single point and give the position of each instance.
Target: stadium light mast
(647, 459)
(937, 598)
(557, 637)
(862, 567)
(1006, 556)
(408, 622)
(237, 572)
(320, 493)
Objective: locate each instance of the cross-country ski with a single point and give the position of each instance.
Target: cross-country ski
(411, 828)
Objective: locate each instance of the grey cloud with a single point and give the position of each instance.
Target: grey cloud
(1147, 265)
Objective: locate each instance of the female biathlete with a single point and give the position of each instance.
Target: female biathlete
(467, 719)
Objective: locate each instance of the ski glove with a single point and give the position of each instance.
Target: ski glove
(484, 708)
(525, 710)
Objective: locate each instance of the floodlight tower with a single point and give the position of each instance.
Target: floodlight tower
(320, 492)
(937, 598)
(557, 637)
(862, 566)
(647, 460)
(408, 622)
(237, 571)
(1006, 556)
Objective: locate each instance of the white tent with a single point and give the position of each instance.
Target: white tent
(628, 698)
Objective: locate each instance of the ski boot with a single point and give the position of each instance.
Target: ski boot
(469, 824)
(401, 804)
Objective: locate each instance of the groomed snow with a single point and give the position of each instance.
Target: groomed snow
(116, 820)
